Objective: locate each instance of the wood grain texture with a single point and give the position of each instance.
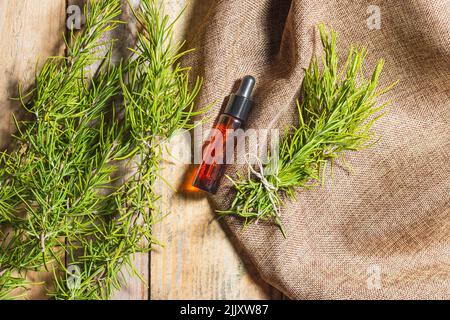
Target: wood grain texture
(198, 260)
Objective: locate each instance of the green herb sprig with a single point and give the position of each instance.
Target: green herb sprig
(336, 114)
(50, 179)
(10, 285)
(66, 201)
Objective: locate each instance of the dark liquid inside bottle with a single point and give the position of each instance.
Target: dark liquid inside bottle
(217, 153)
(220, 147)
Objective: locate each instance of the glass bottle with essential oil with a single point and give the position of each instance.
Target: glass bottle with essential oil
(215, 154)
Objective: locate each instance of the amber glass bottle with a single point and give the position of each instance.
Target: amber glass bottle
(215, 154)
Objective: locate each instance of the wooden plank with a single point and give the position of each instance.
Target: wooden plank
(198, 260)
(31, 31)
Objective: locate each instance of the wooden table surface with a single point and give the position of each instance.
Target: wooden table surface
(197, 261)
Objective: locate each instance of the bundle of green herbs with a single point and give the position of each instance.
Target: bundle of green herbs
(336, 113)
(77, 186)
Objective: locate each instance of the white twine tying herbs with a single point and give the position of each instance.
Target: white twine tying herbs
(270, 188)
(336, 113)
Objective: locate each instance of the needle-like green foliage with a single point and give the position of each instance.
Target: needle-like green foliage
(66, 202)
(50, 180)
(336, 114)
(10, 285)
(157, 100)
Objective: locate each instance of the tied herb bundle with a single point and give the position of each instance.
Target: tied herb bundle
(336, 114)
(68, 202)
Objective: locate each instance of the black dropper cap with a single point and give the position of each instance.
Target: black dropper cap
(240, 103)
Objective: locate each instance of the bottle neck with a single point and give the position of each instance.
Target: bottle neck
(239, 107)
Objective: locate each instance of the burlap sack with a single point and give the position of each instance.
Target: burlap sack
(383, 230)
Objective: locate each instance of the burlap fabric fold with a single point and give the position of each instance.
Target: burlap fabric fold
(382, 230)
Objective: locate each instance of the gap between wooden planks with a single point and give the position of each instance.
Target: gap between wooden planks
(197, 261)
